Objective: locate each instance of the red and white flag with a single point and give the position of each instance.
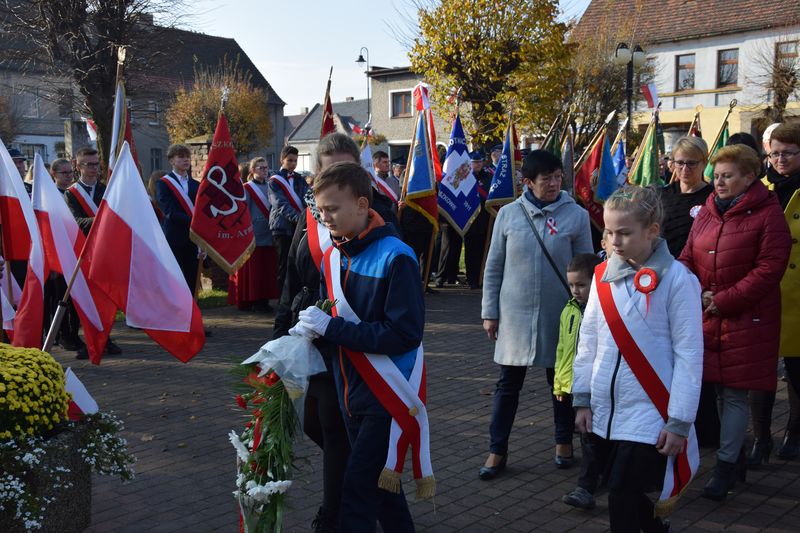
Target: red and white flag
(63, 241)
(121, 130)
(82, 402)
(21, 235)
(651, 95)
(128, 259)
(221, 223)
(91, 129)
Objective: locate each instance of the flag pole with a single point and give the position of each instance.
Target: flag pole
(618, 138)
(427, 272)
(551, 131)
(722, 126)
(122, 52)
(695, 119)
(596, 137)
(62, 307)
(639, 153)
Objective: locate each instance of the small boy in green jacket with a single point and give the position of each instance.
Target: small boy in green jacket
(579, 276)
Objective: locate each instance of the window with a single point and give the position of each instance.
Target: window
(64, 101)
(728, 68)
(786, 53)
(154, 112)
(155, 159)
(684, 72)
(401, 104)
(29, 102)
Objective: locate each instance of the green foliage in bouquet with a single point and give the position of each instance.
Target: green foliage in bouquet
(265, 448)
(32, 396)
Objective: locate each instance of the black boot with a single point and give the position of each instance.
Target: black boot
(722, 481)
(761, 403)
(790, 448)
(759, 453)
(324, 522)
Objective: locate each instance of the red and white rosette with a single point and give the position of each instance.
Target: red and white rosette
(646, 281)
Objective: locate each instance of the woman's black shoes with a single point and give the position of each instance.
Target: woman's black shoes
(490, 472)
(759, 453)
(722, 481)
(564, 462)
(790, 448)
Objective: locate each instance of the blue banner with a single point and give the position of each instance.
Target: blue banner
(607, 177)
(501, 190)
(420, 178)
(459, 201)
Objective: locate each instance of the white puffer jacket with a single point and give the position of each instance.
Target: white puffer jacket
(670, 334)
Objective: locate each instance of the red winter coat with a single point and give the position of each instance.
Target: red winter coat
(741, 257)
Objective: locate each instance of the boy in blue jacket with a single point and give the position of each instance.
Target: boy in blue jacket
(374, 278)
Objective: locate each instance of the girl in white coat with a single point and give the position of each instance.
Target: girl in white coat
(639, 365)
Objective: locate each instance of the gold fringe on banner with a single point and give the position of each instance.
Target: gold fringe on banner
(426, 488)
(389, 480)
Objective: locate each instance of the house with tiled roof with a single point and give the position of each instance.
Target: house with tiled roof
(347, 116)
(706, 53)
(51, 120)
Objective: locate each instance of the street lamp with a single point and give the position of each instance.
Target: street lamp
(635, 59)
(361, 61)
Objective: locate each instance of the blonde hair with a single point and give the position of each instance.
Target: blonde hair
(741, 155)
(252, 166)
(693, 145)
(644, 203)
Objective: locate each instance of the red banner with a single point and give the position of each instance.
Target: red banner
(586, 179)
(221, 224)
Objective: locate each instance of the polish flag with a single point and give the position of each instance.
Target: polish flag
(651, 95)
(82, 402)
(63, 242)
(128, 259)
(21, 234)
(423, 104)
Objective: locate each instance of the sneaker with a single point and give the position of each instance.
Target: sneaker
(112, 348)
(580, 498)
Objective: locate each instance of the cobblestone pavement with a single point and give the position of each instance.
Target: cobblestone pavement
(178, 416)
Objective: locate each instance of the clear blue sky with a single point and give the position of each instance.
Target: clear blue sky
(294, 43)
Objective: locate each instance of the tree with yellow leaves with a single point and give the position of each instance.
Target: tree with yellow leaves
(195, 110)
(499, 55)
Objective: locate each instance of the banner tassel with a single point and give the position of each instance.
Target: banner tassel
(389, 480)
(426, 487)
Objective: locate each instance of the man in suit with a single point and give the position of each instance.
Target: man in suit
(287, 191)
(83, 198)
(176, 193)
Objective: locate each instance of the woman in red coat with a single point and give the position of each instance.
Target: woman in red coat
(738, 248)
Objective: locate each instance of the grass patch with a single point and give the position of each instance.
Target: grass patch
(212, 298)
(205, 300)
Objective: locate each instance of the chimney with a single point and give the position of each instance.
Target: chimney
(349, 99)
(304, 111)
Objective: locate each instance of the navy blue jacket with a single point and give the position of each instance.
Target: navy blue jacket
(381, 283)
(283, 216)
(176, 222)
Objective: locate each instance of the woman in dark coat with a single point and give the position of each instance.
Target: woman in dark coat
(738, 248)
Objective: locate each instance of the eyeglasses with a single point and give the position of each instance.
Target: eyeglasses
(90, 164)
(786, 156)
(262, 168)
(687, 164)
(551, 177)
(64, 172)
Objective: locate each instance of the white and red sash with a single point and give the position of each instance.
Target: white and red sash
(83, 198)
(181, 195)
(682, 467)
(403, 398)
(288, 191)
(384, 187)
(319, 238)
(259, 198)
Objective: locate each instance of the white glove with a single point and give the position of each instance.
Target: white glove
(315, 319)
(299, 330)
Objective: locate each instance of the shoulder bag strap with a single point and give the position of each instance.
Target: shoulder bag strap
(546, 253)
